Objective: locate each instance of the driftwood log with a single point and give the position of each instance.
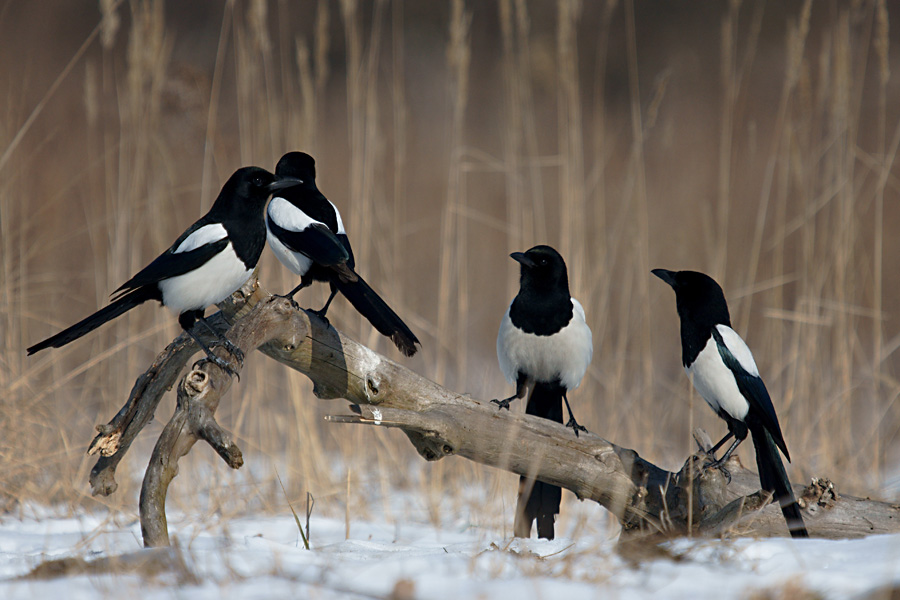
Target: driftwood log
(646, 499)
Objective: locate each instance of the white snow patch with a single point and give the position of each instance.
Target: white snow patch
(262, 557)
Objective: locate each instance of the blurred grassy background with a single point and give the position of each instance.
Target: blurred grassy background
(754, 141)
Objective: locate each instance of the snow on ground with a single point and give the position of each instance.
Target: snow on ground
(263, 557)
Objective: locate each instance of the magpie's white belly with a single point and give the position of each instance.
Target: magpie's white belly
(715, 382)
(205, 285)
(295, 262)
(564, 355)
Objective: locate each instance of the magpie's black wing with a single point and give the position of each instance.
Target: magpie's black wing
(345, 241)
(315, 241)
(201, 242)
(750, 384)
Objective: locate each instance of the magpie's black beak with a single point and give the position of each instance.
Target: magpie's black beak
(283, 182)
(521, 258)
(667, 276)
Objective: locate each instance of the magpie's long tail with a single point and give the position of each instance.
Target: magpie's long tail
(773, 478)
(107, 313)
(542, 502)
(372, 307)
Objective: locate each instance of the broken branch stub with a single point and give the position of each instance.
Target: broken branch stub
(198, 399)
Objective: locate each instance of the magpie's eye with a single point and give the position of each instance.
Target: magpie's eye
(258, 181)
(543, 262)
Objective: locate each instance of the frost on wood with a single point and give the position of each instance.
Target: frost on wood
(646, 499)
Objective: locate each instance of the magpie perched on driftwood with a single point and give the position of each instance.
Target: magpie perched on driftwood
(212, 259)
(544, 345)
(722, 369)
(307, 234)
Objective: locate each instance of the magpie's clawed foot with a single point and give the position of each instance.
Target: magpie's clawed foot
(223, 364)
(236, 352)
(575, 426)
(502, 403)
(720, 465)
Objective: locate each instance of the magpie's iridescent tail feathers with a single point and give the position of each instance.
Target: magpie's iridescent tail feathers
(379, 314)
(773, 478)
(542, 503)
(120, 306)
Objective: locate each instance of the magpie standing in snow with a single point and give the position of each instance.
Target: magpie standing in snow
(307, 235)
(544, 345)
(723, 371)
(205, 265)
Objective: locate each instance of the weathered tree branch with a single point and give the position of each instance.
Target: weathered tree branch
(439, 423)
(273, 321)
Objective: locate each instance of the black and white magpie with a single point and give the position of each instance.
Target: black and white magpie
(722, 369)
(205, 265)
(544, 345)
(307, 235)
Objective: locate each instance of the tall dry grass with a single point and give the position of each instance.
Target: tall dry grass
(753, 142)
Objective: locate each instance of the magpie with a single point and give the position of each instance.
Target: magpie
(307, 234)
(544, 345)
(211, 260)
(722, 369)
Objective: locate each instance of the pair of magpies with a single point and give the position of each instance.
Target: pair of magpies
(216, 255)
(544, 345)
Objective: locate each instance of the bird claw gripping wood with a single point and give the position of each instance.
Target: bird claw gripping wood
(720, 465)
(503, 403)
(223, 364)
(575, 426)
(236, 352)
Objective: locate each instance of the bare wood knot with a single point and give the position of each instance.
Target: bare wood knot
(373, 388)
(107, 443)
(195, 382)
(429, 444)
(819, 493)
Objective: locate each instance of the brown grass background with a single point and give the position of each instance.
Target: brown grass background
(753, 141)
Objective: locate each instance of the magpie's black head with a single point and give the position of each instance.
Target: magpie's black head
(299, 165)
(542, 268)
(698, 297)
(250, 187)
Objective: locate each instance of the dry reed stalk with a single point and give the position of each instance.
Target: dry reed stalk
(572, 207)
(882, 48)
(401, 118)
(641, 215)
(512, 140)
(452, 249)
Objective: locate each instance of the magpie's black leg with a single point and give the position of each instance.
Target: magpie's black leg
(290, 295)
(224, 342)
(505, 402)
(712, 451)
(521, 389)
(572, 422)
(213, 358)
(321, 312)
(720, 463)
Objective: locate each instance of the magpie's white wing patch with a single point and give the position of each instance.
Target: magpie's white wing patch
(207, 234)
(208, 284)
(287, 216)
(738, 349)
(337, 214)
(716, 383)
